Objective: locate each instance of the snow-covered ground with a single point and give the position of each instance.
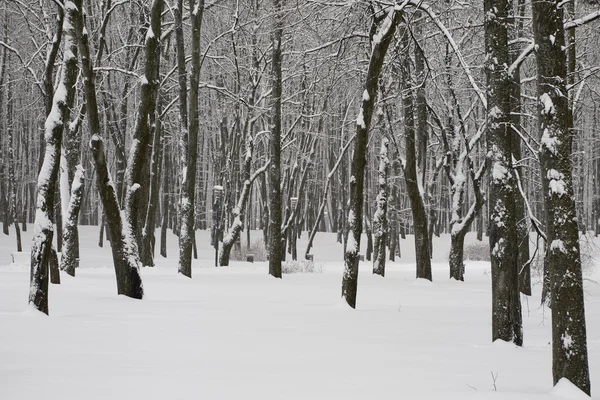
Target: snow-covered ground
(235, 332)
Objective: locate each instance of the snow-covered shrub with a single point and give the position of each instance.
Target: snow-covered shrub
(257, 248)
(477, 251)
(301, 266)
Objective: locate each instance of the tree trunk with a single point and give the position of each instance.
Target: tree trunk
(275, 206)
(69, 254)
(58, 117)
(137, 175)
(380, 43)
(456, 258)
(569, 338)
(189, 147)
(380, 225)
(413, 187)
(506, 305)
(124, 248)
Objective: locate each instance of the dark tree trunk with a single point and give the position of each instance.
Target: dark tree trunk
(506, 305)
(123, 245)
(380, 43)
(455, 259)
(275, 206)
(569, 338)
(415, 196)
(189, 150)
(137, 175)
(165, 204)
(62, 102)
(69, 254)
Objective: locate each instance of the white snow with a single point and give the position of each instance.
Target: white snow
(548, 104)
(556, 183)
(551, 143)
(235, 332)
(360, 120)
(366, 96)
(558, 244)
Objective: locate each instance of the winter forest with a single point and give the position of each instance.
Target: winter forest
(237, 165)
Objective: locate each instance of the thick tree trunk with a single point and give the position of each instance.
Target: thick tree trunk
(275, 206)
(506, 305)
(124, 248)
(413, 186)
(569, 338)
(58, 117)
(380, 43)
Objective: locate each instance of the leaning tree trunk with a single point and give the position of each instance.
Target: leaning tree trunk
(506, 305)
(569, 338)
(41, 245)
(380, 43)
(380, 217)
(275, 218)
(124, 248)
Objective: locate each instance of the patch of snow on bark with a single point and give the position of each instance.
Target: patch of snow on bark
(558, 244)
(548, 104)
(551, 143)
(360, 120)
(557, 184)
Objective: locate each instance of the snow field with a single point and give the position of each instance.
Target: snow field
(235, 332)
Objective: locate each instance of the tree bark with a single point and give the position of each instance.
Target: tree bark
(275, 206)
(62, 104)
(69, 254)
(379, 45)
(189, 132)
(380, 225)
(569, 338)
(506, 305)
(413, 186)
(123, 245)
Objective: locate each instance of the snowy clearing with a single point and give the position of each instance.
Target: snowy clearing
(235, 332)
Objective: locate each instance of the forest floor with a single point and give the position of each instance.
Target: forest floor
(236, 333)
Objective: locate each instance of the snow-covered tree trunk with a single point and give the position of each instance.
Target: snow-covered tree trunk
(125, 253)
(43, 231)
(189, 132)
(569, 338)
(380, 42)
(414, 188)
(137, 176)
(275, 206)
(506, 305)
(69, 253)
(380, 225)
